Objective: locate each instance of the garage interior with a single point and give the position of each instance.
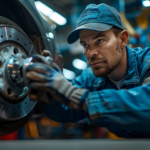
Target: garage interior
(33, 26)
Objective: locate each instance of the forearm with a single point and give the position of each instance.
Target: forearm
(61, 113)
(121, 109)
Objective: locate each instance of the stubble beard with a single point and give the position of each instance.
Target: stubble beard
(101, 72)
(104, 71)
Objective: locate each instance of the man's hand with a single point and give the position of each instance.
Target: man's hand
(50, 79)
(58, 59)
(42, 95)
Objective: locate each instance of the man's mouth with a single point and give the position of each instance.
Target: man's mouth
(95, 64)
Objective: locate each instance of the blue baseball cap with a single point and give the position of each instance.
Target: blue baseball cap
(100, 17)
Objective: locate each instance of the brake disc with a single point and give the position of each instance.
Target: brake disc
(13, 40)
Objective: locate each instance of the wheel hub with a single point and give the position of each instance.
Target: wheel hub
(14, 101)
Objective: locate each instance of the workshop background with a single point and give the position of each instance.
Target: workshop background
(60, 18)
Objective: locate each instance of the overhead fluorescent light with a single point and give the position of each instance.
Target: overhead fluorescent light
(70, 75)
(146, 3)
(59, 19)
(43, 8)
(53, 15)
(79, 64)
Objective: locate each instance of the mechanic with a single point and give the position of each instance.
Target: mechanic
(114, 92)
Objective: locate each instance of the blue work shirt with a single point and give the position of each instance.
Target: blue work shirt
(124, 111)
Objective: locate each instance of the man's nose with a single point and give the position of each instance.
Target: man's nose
(92, 52)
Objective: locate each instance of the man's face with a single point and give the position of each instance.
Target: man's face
(102, 50)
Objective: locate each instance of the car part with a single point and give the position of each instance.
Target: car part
(15, 106)
(22, 32)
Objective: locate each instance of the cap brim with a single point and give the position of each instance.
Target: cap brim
(74, 35)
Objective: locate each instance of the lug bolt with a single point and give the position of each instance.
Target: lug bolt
(1, 63)
(16, 50)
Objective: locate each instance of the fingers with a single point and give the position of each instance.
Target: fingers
(56, 55)
(60, 58)
(44, 86)
(34, 76)
(39, 58)
(40, 95)
(33, 94)
(33, 97)
(39, 67)
(46, 53)
(61, 62)
(56, 66)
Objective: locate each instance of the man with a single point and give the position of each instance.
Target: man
(113, 93)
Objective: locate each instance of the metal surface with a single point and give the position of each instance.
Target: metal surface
(13, 106)
(15, 73)
(5, 21)
(95, 144)
(30, 7)
(9, 69)
(20, 25)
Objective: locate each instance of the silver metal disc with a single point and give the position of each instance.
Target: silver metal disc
(12, 37)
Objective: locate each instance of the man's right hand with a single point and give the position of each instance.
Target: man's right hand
(42, 95)
(50, 80)
(58, 59)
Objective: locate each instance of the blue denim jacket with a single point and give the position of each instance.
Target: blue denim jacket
(126, 111)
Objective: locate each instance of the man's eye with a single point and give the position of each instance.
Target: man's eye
(99, 41)
(85, 45)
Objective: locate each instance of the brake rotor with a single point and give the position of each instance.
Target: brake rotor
(13, 40)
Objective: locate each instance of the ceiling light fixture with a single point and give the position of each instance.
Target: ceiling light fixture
(146, 3)
(53, 15)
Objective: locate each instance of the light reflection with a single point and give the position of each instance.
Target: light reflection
(50, 35)
(56, 17)
(146, 3)
(10, 65)
(79, 64)
(70, 75)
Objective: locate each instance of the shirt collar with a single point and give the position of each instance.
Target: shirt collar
(132, 75)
